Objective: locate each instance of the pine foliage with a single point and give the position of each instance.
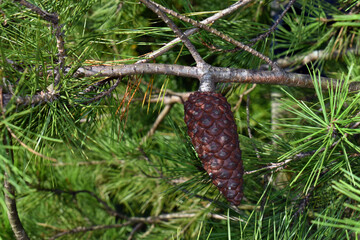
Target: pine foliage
(76, 161)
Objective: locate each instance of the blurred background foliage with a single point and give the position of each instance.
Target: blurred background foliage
(102, 158)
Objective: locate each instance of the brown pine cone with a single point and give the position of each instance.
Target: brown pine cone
(213, 132)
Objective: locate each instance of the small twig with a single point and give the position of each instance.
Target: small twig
(87, 163)
(60, 44)
(157, 122)
(14, 136)
(135, 229)
(314, 56)
(219, 34)
(108, 209)
(161, 176)
(96, 85)
(249, 129)
(281, 165)
(39, 98)
(273, 27)
(29, 148)
(238, 103)
(305, 201)
(12, 213)
(91, 228)
(104, 93)
(144, 220)
(155, 8)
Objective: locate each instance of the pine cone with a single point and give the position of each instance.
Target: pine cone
(213, 132)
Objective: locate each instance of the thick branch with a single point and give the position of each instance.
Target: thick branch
(9, 193)
(13, 216)
(221, 74)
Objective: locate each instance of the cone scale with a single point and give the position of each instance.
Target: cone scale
(213, 132)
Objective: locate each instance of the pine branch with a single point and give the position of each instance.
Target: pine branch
(198, 59)
(144, 220)
(109, 210)
(53, 18)
(219, 73)
(189, 32)
(220, 34)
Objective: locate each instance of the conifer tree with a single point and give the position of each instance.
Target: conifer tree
(94, 142)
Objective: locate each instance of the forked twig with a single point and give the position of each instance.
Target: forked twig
(155, 8)
(219, 34)
(189, 32)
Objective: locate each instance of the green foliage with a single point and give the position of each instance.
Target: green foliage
(81, 163)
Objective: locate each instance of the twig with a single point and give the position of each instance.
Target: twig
(29, 148)
(273, 27)
(281, 165)
(107, 208)
(157, 122)
(9, 193)
(189, 32)
(305, 201)
(155, 8)
(313, 56)
(249, 129)
(53, 18)
(161, 176)
(63, 164)
(219, 34)
(91, 228)
(257, 152)
(144, 220)
(135, 229)
(50, 17)
(104, 93)
(60, 44)
(40, 98)
(238, 103)
(14, 136)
